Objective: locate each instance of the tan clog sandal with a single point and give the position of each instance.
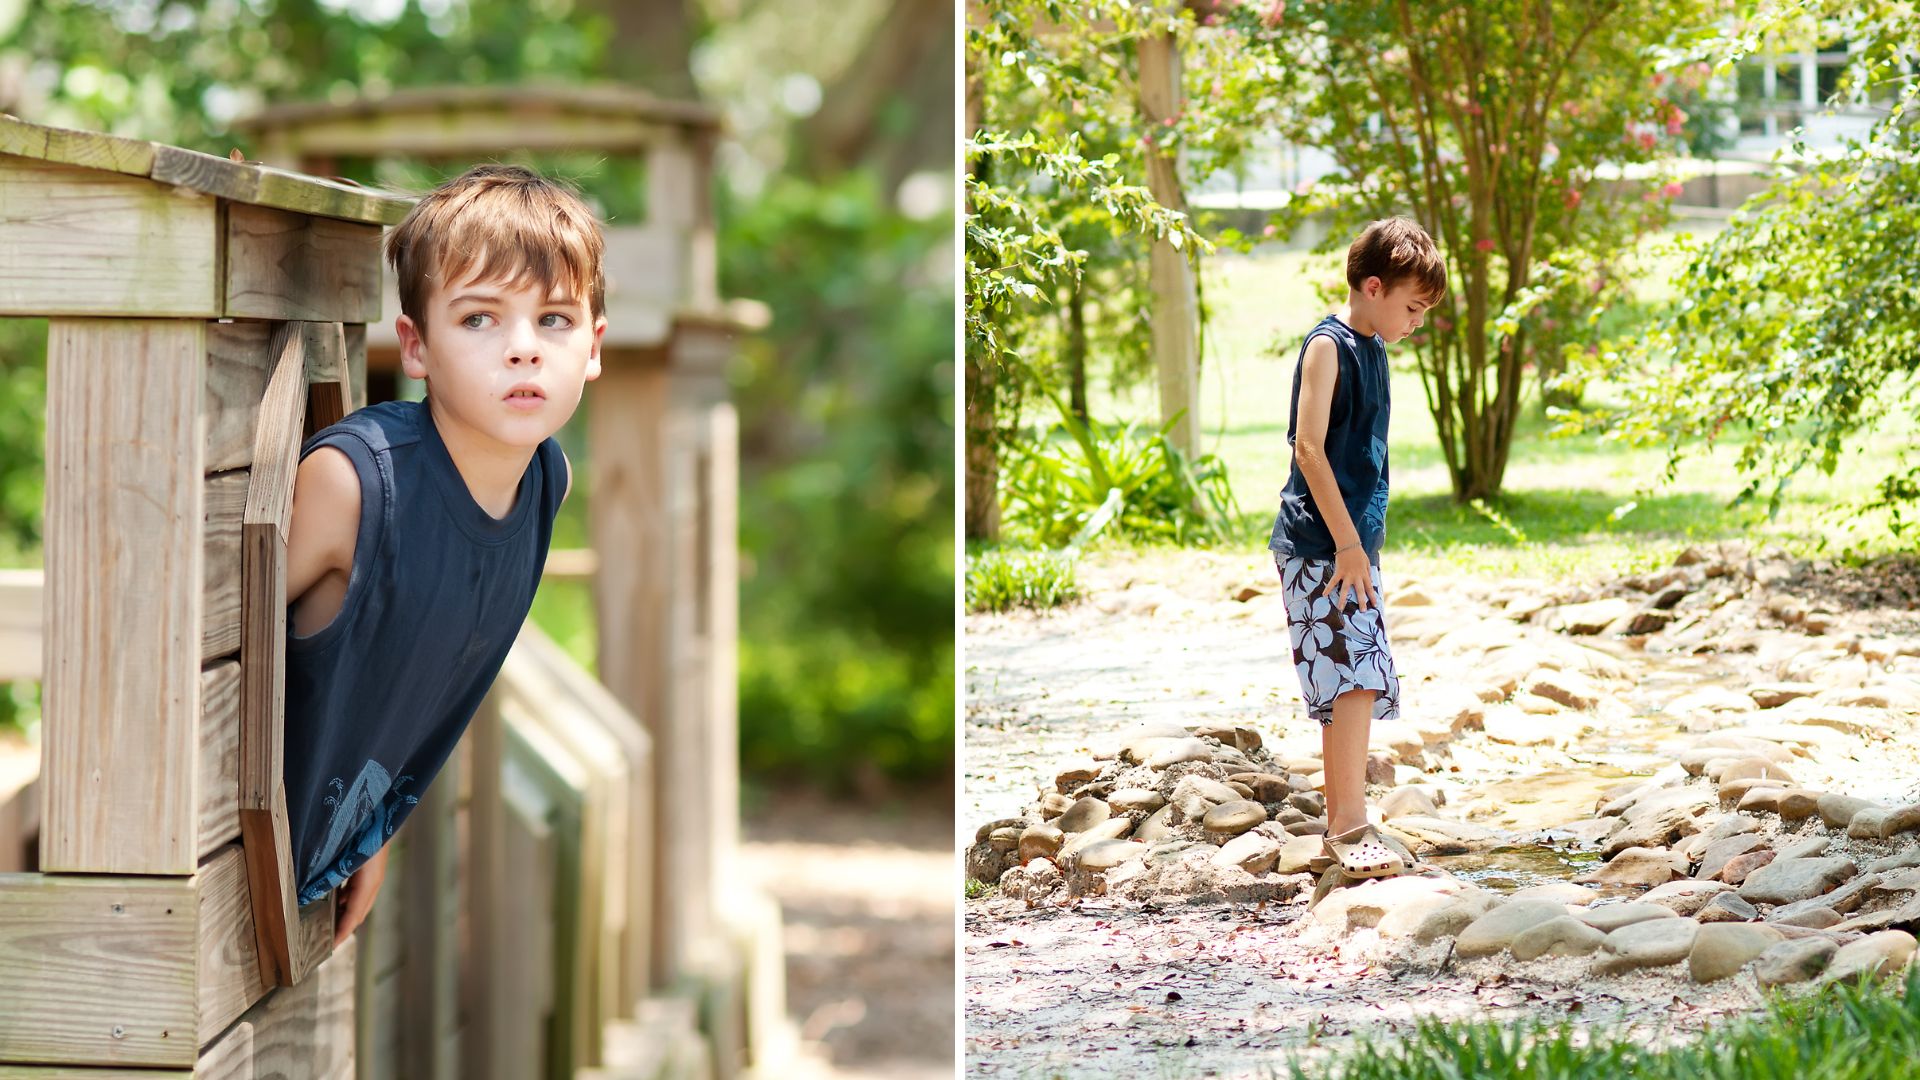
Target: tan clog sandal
(1360, 853)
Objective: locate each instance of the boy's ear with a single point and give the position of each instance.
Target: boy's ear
(593, 358)
(1373, 287)
(411, 347)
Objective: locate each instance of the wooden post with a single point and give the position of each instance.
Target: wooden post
(1175, 309)
(123, 596)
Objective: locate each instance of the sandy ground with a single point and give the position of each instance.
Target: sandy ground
(1103, 987)
(867, 897)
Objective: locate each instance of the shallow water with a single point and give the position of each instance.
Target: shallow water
(1517, 866)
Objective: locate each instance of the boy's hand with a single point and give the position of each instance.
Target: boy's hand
(356, 896)
(1352, 571)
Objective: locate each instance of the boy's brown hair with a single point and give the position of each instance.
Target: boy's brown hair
(511, 224)
(1393, 250)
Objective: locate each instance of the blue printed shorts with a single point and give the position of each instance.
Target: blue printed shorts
(1336, 648)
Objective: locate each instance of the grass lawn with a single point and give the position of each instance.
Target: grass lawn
(1578, 506)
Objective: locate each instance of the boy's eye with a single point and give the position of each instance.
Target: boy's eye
(468, 321)
(564, 321)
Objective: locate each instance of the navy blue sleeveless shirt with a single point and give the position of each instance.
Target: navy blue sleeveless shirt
(377, 698)
(1356, 446)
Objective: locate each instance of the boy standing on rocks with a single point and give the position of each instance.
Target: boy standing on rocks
(1333, 519)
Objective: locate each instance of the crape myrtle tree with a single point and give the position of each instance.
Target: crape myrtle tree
(1799, 327)
(1506, 128)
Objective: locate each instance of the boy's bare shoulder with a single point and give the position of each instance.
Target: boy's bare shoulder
(326, 514)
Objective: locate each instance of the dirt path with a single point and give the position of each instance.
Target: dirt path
(866, 895)
(1098, 985)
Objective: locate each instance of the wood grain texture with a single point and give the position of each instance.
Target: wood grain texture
(282, 265)
(199, 172)
(222, 506)
(124, 555)
(262, 796)
(238, 361)
(430, 977)
(97, 970)
(80, 241)
(535, 760)
(219, 756)
(229, 1058)
(229, 979)
(306, 1032)
(329, 382)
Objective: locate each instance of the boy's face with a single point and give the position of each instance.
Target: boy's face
(508, 363)
(1399, 310)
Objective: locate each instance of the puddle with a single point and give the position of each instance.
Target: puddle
(1517, 866)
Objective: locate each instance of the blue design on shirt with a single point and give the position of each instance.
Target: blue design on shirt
(362, 820)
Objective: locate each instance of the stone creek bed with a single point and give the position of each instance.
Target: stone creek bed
(1639, 803)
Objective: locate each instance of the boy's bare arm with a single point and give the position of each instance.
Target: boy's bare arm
(321, 535)
(1320, 371)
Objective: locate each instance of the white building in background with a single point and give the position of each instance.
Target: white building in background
(1770, 98)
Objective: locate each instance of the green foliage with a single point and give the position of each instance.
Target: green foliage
(846, 661)
(1065, 483)
(1838, 1033)
(1490, 123)
(1000, 579)
(1800, 327)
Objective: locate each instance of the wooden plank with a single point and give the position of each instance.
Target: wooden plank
(305, 1032)
(238, 361)
(204, 173)
(123, 547)
(222, 506)
(219, 761)
(356, 339)
(543, 700)
(97, 970)
(535, 760)
(283, 265)
(486, 882)
(430, 976)
(329, 382)
(84, 242)
(36, 1072)
(720, 579)
(229, 1058)
(627, 414)
(522, 943)
(263, 810)
(227, 965)
(22, 623)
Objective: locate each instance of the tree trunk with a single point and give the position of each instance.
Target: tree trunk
(983, 461)
(1175, 311)
(652, 46)
(893, 106)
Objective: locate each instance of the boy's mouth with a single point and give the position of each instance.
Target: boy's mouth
(525, 396)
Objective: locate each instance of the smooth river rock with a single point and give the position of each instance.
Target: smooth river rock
(1722, 949)
(1653, 943)
(1783, 882)
(1871, 957)
(1495, 931)
(1562, 936)
(1794, 961)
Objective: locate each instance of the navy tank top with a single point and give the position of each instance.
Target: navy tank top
(1356, 446)
(378, 698)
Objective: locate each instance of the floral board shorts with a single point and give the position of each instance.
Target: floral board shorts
(1336, 648)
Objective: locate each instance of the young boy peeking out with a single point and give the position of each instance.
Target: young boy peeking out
(1333, 520)
(420, 528)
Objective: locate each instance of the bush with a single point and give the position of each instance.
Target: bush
(1002, 578)
(1074, 479)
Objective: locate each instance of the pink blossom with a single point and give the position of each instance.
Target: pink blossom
(1673, 189)
(1270, 230)
(1210, 20)
(1676, 120)
(1646, 140)
(1146, 139)
(1572, 198)
(1596, 285)
(1442, 323)
(1483, 244)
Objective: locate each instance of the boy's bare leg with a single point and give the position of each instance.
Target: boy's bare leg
(1343, 745)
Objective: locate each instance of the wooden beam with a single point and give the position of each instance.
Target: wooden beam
(237, 367)
(329, 381)
(219, 756)
(123, 597)
(197, 172)
(283, 265)
(228, 974)
(84, 242)
(303, 1031)
(263, 806)
(223, 505)
(97, 970)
